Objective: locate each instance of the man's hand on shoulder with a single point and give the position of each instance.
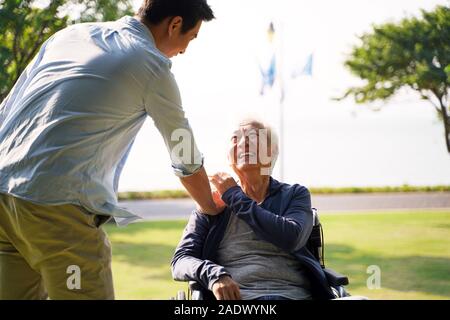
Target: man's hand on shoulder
(222, 182)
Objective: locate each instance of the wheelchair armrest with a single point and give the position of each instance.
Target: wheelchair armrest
(195, 286)
(199, 292)
(334, 278)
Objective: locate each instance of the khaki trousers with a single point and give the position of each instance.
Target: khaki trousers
(56, 252)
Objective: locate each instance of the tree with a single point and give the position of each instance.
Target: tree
(413, 53)
(25, 26)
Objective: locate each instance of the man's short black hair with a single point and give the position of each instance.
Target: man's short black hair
(192, 11)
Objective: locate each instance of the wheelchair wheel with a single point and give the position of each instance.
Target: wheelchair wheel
(181, 295)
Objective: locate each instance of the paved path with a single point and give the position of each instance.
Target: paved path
(181, 208)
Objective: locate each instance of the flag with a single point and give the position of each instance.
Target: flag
(269, 72)
(268, 76)
(306, 70)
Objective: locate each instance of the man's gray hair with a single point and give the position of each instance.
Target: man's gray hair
(271, 133)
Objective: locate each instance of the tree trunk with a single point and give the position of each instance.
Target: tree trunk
(446, 119)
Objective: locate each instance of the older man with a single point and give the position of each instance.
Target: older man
(255, 249)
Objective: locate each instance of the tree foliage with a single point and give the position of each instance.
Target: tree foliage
(25, 26)
(413, 53)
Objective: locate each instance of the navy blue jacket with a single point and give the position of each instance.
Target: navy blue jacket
(284, 219)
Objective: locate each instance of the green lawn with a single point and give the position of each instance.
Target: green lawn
(412, 250)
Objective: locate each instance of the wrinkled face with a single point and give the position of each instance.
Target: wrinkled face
(250, 147)
(177, 41)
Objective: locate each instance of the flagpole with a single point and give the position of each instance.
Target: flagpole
(277, 62)
(278, 66)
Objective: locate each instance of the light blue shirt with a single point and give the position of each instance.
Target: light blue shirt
(67, 126)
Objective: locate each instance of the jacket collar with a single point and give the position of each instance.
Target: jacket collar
(274, 186)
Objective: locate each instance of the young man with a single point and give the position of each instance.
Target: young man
(66, 129)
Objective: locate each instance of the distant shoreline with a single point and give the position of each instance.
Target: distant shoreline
(180, 194)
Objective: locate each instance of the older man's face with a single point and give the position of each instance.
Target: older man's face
(250, 147)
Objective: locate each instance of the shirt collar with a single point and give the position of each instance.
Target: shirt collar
(142, 28)
(145, 32)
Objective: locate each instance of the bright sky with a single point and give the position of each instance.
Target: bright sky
(327, 143)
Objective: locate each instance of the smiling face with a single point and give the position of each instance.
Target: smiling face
(177, 41)
(250, 147)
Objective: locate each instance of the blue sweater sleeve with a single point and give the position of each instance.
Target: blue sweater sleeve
(289, 231)
(187, 263)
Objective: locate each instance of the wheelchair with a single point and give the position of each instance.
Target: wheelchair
(315, 245)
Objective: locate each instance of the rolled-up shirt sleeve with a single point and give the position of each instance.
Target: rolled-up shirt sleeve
(163, 105)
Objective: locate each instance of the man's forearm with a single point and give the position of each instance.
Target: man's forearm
(206, 272)
(284, 232)
(197, 185)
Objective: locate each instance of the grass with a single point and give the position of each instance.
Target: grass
(158, 194)
(177, 194)
(411, 248)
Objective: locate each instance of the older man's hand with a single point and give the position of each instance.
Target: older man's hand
(226, 289)
(222, 182)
